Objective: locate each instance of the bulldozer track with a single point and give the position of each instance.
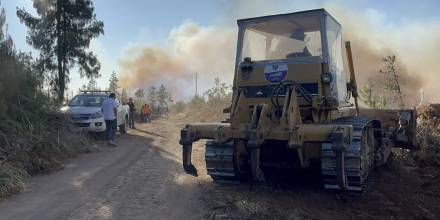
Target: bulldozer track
(358, 157)
(220, 162)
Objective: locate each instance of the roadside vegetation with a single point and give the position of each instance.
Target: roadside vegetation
(428, 137)
(384, 92)
(34, 136)
(387, 92)
(207, 107)
(159, 100)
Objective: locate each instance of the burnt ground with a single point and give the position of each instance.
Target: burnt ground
(142, 178)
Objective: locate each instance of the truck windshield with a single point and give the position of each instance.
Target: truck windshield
(87, 101)
(299, 36)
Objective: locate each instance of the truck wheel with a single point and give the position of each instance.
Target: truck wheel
(123, 128)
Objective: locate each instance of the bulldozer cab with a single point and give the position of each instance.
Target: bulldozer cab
(305, 47)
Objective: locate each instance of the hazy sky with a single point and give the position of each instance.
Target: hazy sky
(149, 22)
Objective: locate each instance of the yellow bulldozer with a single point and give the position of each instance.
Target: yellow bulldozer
(293, 107)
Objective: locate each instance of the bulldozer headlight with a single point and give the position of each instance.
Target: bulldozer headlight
(326, 78)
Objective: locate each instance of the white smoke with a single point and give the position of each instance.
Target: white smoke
(190, 48)
(210, 50)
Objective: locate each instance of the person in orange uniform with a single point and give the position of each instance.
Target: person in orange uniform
(147, 112)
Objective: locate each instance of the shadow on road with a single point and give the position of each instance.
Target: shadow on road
(150, 133)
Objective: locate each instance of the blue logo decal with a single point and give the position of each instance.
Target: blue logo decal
(275, 77)
(275, 73)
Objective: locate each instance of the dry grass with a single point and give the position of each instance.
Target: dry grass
(199, 110)
(25, 152)
(33, 137)
(428, 136)
(12, 179)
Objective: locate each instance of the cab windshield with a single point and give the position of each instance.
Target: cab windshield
(87, 101)
(299, 36)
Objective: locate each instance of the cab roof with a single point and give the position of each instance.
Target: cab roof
(318, 12)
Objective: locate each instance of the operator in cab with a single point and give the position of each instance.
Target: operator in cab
(290, 46)
(298, 34)
(110, 111)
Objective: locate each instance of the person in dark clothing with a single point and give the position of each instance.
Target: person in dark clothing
(132, 110)
(141, 113)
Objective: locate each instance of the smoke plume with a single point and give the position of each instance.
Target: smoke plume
(190, 48)
(374, 37)
(210, 50)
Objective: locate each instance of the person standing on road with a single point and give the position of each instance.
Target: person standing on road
(110, 110)
(131, 113)
(142, 113)
(147, 113)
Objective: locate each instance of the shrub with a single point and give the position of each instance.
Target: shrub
(428, 136)
(34, 137)
(209, 109)
(179, 107)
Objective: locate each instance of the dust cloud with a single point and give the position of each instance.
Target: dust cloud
(210, 50)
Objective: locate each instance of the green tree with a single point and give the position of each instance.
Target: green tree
(6, 43)
(139, 94)
(152, 98)
(83, 88)
(62, 31)
(92, 85)
(2, 23)
(196, 103)
(392, 83)
(179, 106)
(369, 97)
(219, 93)
(170, 99)
(113, 82)
(33, 137)
(162, 96)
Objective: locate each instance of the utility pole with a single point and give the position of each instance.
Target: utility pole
(196, 83)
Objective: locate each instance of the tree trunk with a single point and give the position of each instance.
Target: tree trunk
(61, 80)
(60, 54)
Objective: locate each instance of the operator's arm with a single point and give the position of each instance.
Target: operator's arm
(306, 52)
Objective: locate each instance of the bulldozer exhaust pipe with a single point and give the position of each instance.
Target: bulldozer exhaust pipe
(353, 84)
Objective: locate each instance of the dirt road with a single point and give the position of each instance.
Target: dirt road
(142, 178)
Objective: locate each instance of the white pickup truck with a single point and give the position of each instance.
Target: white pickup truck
(85, 111)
